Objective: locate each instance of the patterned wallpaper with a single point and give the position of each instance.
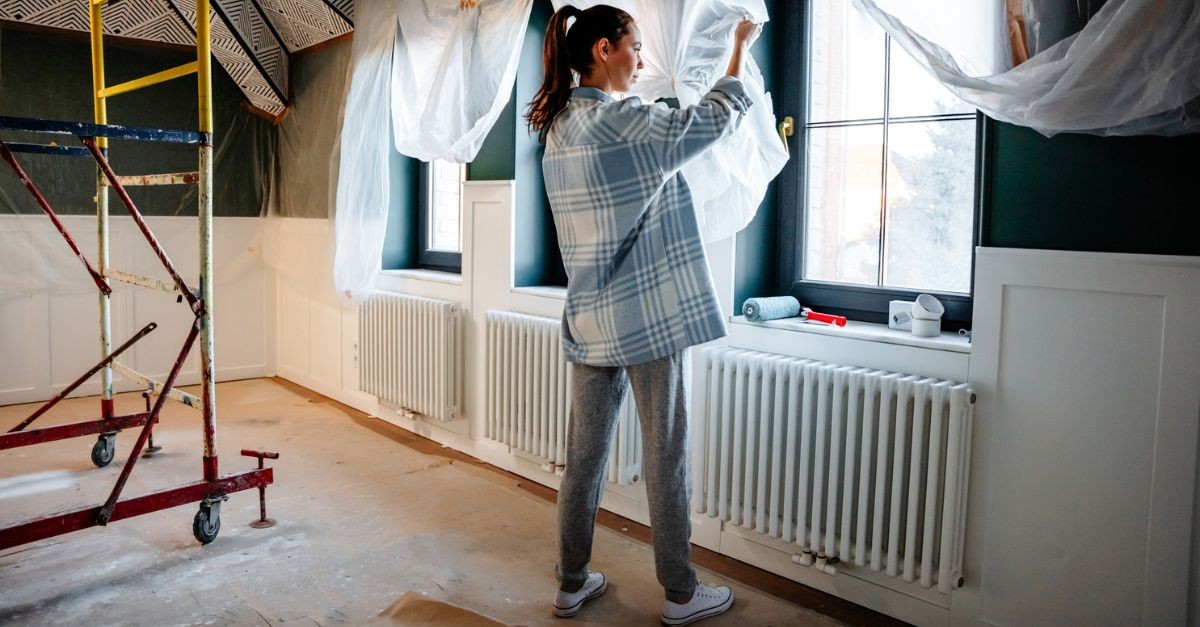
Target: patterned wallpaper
(251, 39)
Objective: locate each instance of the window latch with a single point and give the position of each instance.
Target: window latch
(786, 128)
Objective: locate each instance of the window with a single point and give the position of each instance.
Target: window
(885, 202)
(440, 211)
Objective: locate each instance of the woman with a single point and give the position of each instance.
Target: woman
(638, 291)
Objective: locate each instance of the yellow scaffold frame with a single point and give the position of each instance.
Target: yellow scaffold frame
(202, 67)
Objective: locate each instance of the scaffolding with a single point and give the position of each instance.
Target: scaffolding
(213, 489)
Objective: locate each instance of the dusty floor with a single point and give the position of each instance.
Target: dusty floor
(362, 520)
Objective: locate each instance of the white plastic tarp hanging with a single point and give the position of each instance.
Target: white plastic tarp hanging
(452, 73)
(685, 48)
(440, 72)
(360, 219)
(1132, 70)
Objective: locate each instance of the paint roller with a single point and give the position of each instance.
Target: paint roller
(777, 307)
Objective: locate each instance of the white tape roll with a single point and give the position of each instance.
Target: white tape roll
(926, 328)
(927, 307)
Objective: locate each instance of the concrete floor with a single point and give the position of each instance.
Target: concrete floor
(363, 519)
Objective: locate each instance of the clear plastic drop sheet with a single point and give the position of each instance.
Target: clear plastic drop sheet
(1133, 69)
(685, 48)
(295, 235)
(452, 74)
(439, 75)
(360, 219)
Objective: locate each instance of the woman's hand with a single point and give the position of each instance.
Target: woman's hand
(743, 37)
(746, 33)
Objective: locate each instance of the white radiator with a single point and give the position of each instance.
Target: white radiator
(411, 353)
(851, 465)
(529, 397)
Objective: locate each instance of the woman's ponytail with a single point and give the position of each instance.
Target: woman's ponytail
(556, 65)
(562, 54)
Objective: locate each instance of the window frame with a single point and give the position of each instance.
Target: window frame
(428, 259)
(858, 302)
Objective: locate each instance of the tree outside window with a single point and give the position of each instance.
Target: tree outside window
(890, 162)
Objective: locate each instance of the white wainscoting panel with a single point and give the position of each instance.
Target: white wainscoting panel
(318, 329)
(49, 326)
(1084, 478)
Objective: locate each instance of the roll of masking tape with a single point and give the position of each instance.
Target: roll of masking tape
(926, 328)
(927, 307)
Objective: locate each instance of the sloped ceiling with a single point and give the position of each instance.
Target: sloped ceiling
(251, 39)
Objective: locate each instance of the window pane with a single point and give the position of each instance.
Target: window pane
(845, 174)
(846, 59)
(930, 210)
(915, 92)
(445, 206)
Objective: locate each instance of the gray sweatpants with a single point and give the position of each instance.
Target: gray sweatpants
(659, 391)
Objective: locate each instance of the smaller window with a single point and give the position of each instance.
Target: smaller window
(440, 230)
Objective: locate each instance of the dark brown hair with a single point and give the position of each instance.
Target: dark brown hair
(571, 50)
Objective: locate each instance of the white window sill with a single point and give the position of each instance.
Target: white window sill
(559, 293)
(951, 342)
(434, 276)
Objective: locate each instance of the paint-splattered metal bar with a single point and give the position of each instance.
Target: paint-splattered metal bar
(73, 430)
(153, 385)
(111, 131)
(49, 149)
(174, 178)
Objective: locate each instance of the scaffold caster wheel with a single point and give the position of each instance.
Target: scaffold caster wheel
(207, 524)
(104, 449)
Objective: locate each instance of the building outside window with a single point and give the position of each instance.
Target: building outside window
(441, 215)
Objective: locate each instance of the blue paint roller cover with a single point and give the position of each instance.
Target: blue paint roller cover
(771, 308)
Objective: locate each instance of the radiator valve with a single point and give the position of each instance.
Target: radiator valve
(822, 563)
(826, 565)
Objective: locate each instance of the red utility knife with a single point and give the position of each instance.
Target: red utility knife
(816, 316)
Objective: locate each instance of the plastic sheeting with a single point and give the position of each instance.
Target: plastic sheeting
(452, 74)
(685, 48)
(1134, 68)
(360, 219)
(296, 234)
(440, 75)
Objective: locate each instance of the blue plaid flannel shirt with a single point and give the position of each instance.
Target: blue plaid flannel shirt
(638, 283)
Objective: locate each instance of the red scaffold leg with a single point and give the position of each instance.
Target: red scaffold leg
(51, 526)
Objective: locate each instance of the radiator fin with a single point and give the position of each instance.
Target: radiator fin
(853, 465)
(411, 353)
(529, 397)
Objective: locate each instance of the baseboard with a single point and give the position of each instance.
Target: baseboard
(92, 388)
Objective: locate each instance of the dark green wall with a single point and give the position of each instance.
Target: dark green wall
(48, 76)
(757, 246)
(536, 258)
(401, 242)
(495, 159)
(1083, 192)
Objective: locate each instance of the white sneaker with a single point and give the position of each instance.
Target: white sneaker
(705, 602)
(567, 604)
